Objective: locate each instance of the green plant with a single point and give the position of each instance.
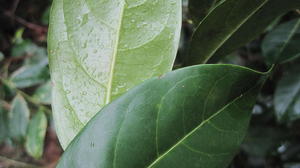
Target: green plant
(192, 117)
(23, 118)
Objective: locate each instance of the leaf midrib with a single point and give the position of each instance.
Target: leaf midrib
(112, 66)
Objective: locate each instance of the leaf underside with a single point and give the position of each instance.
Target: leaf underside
(99, 49)
(193, 117)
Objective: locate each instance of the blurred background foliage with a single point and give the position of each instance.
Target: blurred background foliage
(27, 136)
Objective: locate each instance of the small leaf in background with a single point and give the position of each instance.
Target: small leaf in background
(8, 88)
(43, 93)
(282, 44)
(1, 56)
(35, 68)
(287, 95)
(3, 123)
(23, 48)
(30, 75)
(18, 36)
(36, 135)
(18, 118)
(190, 118)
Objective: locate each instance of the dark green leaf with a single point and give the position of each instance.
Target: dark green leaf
(287, 95)
(36, 135)
(43, 93)
(282, 44)
(18, 118)
(214, 39)
(100, 49)
(198, 9)
(192, 117)
(45, 16)
(219, 25)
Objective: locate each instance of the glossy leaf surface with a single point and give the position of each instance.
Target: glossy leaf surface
(287, 95)
(219, 25)
(18, 118)
(192, 117)
(36, 135)
(100, 49)
(231, 25)
(282, 44)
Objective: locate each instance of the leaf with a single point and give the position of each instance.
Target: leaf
(3, 123)
(43, 93)
(192, 117)
(22, 48)
(219, 25)
(198, 9)
(30, 75)
(282, 44)
(1, 56)
(287, 95)
(36, 135)
(34, 70)
(100, 49)
(18, 118)
(232, 24)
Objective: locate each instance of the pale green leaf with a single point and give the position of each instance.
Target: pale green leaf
(18, 118)
(99, 49)
(36, 135)
(30, 75)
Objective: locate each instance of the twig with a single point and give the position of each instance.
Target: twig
(37, 28)
(10, 162)
(15, 6)
(5, 105)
